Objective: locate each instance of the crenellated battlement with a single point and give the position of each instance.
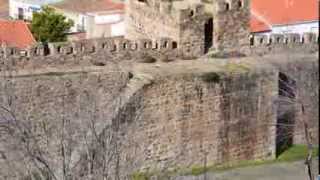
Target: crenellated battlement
(276, 39)
(220, 106)
(107, 45)
(87, 52)
(231, 25)
(182, 22)
(190, 33)
(225, 6)
(281, 43)
(98, 51)
(195, 11)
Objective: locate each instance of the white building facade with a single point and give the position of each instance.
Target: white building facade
(105, 24)
(96, 24)
(297, 28)
(79, 20)
(101, 18)
(23, 9)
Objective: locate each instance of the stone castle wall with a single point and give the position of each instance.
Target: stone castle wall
(305, 75)
(87, 52)
(185, 26)
(61, 92)
(186, 121)
(100, 51)
(174, 121)
(231, 25)
(55, 108)
(284, 43)
(144, 22)
(230, 30)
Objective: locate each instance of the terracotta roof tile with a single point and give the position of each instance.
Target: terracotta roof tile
(16, 34)
(86, 6)
(280, 12)
(257, 25)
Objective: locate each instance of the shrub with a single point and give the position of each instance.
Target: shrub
(50, 26)
(211, 77)
(140, 176)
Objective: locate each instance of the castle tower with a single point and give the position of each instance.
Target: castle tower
(231, 22)
(156, 19)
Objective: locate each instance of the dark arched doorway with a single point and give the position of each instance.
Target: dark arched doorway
(285, 112)
(208, 34)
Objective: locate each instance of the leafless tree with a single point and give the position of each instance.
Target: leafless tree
(288, 94)
(101, 149)
(98, 152)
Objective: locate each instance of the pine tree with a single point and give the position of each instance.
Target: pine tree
(49, 26)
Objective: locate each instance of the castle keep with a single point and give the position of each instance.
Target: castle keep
(224, 28)
(159, 98)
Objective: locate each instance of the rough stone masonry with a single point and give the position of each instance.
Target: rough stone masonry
(108, 108)
(155, 117)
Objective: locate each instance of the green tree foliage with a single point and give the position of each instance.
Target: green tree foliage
(49, 26)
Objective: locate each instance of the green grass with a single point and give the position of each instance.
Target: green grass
(140, 176)
(197, 170)
(211, 77)
(294, 153)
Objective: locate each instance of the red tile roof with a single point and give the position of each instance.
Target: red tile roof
(258, 25)
(16, 34)
(279, 12)
(86, 6)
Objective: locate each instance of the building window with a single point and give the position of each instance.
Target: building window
(191, 13)
(239, 4)
(174, 45)
(20, 13)
(227, 6)
(314, 29)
